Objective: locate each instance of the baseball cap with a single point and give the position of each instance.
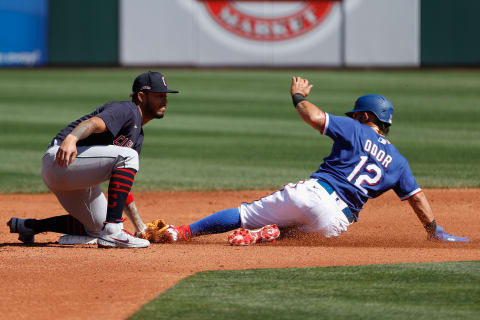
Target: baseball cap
(151, 81)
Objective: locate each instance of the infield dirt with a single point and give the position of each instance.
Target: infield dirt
(49, 281)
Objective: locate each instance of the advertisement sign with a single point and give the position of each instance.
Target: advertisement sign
(247, 20)
(23, 39)
(230, 33)
(268, 33)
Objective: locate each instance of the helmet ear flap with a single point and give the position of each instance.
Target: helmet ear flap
(367, 116)
(371, 116)
(380, 106)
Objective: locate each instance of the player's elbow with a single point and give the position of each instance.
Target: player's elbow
(311, 114)
(97, 124)
(419, 201)
(416, 198)
(316, 120)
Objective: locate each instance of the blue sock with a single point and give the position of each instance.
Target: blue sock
(219, 222)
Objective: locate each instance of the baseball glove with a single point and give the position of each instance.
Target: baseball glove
(154, 231)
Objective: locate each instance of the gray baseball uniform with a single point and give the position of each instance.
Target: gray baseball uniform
(77, 187)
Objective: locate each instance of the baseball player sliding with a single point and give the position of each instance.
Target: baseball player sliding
(362, 165)
(103, 145)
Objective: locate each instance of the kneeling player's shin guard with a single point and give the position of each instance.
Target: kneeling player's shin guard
(120, 185)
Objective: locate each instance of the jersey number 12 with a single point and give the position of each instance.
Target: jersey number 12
(365, 178)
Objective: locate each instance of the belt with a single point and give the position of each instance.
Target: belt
(52, 143)
(346, 211)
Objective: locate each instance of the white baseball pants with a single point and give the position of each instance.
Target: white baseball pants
(305, 205)
(77, 187)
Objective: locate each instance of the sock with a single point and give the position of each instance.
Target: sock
(219, 222)
(119, 187)
(61, 224)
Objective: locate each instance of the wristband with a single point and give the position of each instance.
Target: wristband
(431, 227)
(297, 98)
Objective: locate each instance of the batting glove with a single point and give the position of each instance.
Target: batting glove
(441, 235)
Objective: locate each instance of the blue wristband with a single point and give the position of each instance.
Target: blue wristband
(297, 98)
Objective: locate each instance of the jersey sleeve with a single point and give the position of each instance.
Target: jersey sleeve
(115, 117)
(407, 185)
(338, 128)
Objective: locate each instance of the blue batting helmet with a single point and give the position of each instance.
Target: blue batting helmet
(377, 104)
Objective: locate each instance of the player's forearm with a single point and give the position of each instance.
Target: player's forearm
(421, 206)
(132, 213)
(86, 128)
(311, 114)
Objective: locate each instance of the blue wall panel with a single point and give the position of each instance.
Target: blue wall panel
(23, 32)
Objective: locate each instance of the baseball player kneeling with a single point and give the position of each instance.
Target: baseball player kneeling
(363, 164)
(101, 146)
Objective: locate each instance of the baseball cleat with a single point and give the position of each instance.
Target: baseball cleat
(114, 236)
(17, 225)
(175, 234)
(245, 237)
(70, 239)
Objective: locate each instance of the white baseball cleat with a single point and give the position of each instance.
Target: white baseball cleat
(114, 236)
(17, 225)
(245, 237)
(70, 239)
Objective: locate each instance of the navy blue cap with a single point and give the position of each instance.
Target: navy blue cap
(151, 81)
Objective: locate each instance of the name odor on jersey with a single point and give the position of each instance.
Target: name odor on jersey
(380, 155)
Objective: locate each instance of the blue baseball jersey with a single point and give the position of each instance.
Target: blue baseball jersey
(124, 124)
(363, 164)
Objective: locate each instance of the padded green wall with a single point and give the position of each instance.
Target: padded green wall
(83, 32)
(450, 32)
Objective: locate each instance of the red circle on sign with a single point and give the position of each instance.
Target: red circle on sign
(304, 20)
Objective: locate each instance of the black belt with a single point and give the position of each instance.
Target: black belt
(347, 212)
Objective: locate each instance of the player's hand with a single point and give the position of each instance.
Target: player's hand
(442, 236)
(300, 85)
(67, 152)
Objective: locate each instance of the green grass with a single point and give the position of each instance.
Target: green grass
(237, 129)
(402, 291)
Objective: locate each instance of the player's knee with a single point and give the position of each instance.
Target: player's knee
(128, 158)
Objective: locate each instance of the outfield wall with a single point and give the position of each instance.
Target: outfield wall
(450, 32)
(23, 33)
(83, 32)
(351, 33)
(313, 33)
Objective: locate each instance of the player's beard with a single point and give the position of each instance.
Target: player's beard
(156, 115)
(152, 110)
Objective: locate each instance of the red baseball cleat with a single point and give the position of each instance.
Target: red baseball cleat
(245, 237)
